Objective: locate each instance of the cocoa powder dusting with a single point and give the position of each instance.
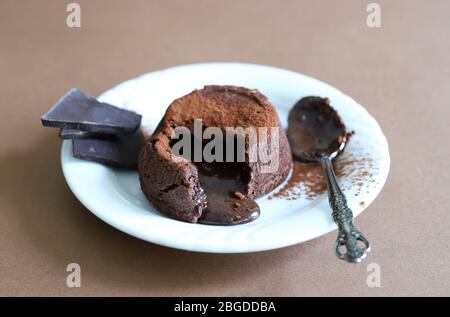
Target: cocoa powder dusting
(307, 179)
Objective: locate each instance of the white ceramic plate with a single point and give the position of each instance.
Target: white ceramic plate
(115, 196)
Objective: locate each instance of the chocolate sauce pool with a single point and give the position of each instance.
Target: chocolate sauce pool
(224, 184)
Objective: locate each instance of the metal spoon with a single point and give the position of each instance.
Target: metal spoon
(316, 134)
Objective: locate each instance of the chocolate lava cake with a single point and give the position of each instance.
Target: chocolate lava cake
(217, 192)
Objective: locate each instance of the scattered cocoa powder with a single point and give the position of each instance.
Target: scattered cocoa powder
(307, 179)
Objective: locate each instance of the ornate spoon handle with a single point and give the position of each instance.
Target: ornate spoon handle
(348, 236)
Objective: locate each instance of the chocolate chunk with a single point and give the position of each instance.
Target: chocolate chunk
(239, 195)
(77, 111)
(117, 151)
(70, 134)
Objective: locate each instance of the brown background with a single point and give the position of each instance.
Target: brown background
(399, 72)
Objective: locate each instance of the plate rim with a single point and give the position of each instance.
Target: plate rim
(66, 151)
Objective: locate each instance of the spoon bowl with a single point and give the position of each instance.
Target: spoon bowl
(315, 130)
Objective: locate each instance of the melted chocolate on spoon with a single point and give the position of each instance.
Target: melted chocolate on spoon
(315, 129)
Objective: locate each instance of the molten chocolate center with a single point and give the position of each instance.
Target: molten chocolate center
(224, 184)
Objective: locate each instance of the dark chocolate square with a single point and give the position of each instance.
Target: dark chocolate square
(118, 151)
(77, 111)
